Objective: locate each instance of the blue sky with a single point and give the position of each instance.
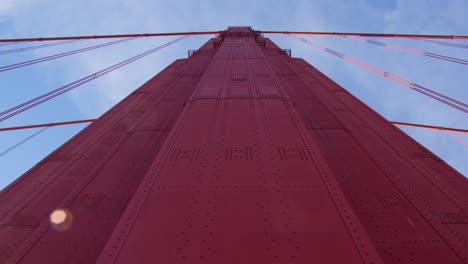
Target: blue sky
(34, 18)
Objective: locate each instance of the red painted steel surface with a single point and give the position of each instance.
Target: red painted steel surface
(240, 154)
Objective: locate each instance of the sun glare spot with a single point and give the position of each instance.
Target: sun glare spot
(58, 216)
(61, 219)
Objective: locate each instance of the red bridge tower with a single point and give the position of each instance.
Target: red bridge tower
(238, 154)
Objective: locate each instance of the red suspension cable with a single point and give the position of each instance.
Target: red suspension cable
(416, 87)
(444, 129)
(419, 52)
(219, 32)
(47, 125)
(60, 55)
(92, 120)
(456, 137)
(430, 127)
(3, 52)
(52, 94)
(362, 34)
(114, 36)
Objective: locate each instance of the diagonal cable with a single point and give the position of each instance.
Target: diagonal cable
(416, 87)
(13, 43)
(52, 94)
(60, 55)
(3, 52)
(455, 45)
(22, 142)
(415, 51)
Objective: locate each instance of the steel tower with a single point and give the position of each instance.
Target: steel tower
(238, 154)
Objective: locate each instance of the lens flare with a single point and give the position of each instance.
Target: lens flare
(61, 219)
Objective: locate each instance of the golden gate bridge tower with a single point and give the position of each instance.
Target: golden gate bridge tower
(239, 154)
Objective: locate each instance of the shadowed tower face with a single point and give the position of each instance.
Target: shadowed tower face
(238, 154)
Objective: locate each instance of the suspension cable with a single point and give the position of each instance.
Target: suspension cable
(22, 142)
(416, 87)
(92, 120)
(61, 90)
(114, 36)
(3, 52)
(456, 137)
(363, 34)
(60, 55)
(47, 125)
(442, 43)
(220, 31)
(13, 43)
(419, 52)
(444, 129)
(428, 127)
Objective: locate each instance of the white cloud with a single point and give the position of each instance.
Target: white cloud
(6, 6)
